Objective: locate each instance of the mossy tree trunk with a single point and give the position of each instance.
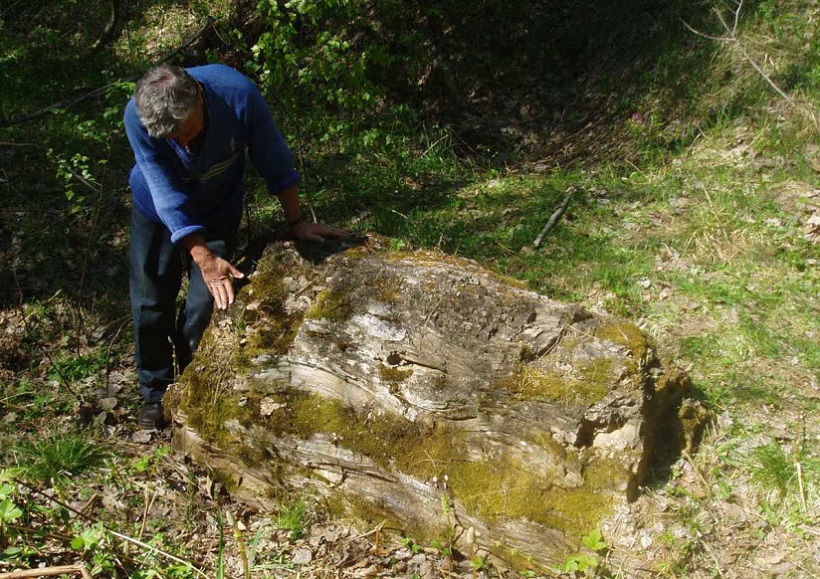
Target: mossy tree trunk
(422, 389)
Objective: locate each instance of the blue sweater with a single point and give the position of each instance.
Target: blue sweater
(190, 192)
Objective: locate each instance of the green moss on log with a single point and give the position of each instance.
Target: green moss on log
(393, 375)
(627, 335)
(490, 489)
(529, 383)
(333, 304)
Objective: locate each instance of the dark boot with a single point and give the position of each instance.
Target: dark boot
(152, 416)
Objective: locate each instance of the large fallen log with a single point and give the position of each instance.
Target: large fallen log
(424, 390)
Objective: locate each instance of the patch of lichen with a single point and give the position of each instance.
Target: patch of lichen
(205, 394)
(273, 335)
(607, 475)
(209, 405)
(225, 478)
(388, 440)
(268, 327)
(432, 258)
(528, 383)
(545, 441)
(387, 288)
(627, 335)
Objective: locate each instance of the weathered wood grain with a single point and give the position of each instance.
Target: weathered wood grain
(425, 390)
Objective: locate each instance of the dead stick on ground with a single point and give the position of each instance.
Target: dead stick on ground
(799, 468)
(555, 217)
(148, 505)
(48, 572)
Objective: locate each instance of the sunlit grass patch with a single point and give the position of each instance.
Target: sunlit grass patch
(57, 458)
(787, 473)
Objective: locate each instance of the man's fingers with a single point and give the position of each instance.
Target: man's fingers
(235, 272)
(221, 302)
(318, 232)
(222, 290)
(330, 231)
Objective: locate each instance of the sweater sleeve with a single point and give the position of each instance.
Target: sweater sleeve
(167, 192)
(267, 149)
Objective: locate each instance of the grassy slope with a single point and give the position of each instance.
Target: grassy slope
(698, 226)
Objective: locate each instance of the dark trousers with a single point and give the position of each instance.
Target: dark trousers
(166, 339)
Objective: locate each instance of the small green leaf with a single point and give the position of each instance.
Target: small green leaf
(9, 511)
(594, 541)
(88, 539)
(6, 490)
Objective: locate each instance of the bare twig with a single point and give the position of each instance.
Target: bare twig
(240, 543)
(733, 38)
(799, 468)
(556, 215)
(11, 144)
(148, 505)
(110, 28)
(48, 572)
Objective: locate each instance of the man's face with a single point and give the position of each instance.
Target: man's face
(191, 127)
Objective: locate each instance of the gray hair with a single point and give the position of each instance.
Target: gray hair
(166, 96)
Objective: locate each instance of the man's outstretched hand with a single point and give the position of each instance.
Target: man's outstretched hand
(317, 232)
(219, 275)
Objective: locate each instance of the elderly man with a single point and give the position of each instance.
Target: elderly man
(190, 131)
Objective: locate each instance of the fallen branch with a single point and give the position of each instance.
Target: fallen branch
(48, 572)
(555, 217)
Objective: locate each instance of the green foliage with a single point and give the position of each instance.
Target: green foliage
(774, 468)
(58, 458)
(306, 60)
(89, 539)
(220, 559)
(9, 511)
(74, 368)
(292, 518)
(580, 562)
(149, 461)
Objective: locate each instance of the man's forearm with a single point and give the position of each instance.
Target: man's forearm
(289, 198)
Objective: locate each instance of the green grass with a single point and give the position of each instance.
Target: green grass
(57, 458)
(293, 519)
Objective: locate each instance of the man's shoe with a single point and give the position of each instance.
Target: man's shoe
(152, 416)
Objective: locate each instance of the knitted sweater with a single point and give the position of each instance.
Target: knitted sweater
(188, 192)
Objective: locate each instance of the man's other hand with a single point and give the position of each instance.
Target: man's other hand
(317, 232)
